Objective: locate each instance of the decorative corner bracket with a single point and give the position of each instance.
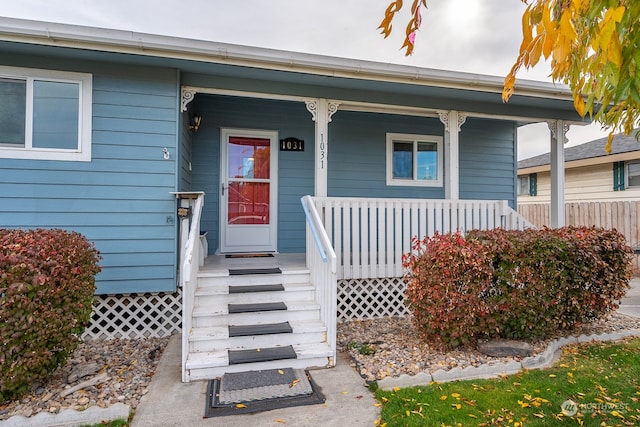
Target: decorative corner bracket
(333, 108)
(187, 97)
(444, 118)
(312, 107)
(553, 129)
(461, 119)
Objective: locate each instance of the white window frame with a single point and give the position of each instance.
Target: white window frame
(83, 151)
(393, 137)
(627, 175)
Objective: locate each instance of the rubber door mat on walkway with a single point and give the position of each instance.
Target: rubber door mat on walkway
(257, 391)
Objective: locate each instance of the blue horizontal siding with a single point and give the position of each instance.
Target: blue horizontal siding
(488, 160)
(357, 154)
(121, 199)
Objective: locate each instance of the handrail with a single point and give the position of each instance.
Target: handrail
(323, 265)
(193, 241)
(319, 233)
(188, 276)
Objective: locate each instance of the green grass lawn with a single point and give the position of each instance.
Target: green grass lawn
(600, 383)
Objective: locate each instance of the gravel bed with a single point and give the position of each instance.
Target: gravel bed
(129, 365)
(386, 347)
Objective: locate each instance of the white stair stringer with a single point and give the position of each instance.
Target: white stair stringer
(209, 341)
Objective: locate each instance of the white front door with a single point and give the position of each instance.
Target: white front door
(248, 191)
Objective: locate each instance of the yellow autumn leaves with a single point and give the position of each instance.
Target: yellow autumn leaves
(593, 46)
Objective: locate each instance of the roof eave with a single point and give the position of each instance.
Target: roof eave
(129, 42)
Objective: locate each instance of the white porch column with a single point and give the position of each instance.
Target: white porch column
(321, 111)
(558, 130)
(453, 121)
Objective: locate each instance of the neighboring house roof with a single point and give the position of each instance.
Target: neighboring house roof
(624, 147)
(482, 93)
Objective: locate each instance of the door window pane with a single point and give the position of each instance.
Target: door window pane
(403, 160)
(248, 203)
(13, 98)
(55, 114)
(249, 158)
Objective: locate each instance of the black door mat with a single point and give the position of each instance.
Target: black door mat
(248, 256)
(242, 271)
(257, 391)
(237, 357)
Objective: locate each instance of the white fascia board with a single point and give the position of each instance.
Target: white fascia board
(121, 41)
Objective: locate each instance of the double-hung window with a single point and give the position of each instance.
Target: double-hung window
(45, 114)
(414, 160)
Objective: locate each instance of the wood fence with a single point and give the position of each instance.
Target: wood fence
(624, 216)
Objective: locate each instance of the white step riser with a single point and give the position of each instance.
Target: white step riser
(214, 372)
(255, 318)
(254, 297)
(256, 341)
(258, 279)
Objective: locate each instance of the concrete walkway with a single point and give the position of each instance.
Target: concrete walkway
(630, 304)
(170, 402)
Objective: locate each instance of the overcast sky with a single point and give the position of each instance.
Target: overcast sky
(476, 36)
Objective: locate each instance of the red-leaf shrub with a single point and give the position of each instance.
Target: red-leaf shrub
(47, 281)
(514, 284)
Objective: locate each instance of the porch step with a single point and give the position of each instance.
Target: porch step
(206, 278)
(207, 365)
(218, 314)
(240, 289)
(261, 355)
(256, 307)
(217, 338)
(221, 293)
(265, 329)
(251, 271)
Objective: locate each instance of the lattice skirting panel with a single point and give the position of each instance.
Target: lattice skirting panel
(135, 316)
(360, 299)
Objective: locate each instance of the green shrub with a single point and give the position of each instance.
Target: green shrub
(47, 281)
(514, 284)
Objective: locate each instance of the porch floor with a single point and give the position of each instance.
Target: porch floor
(220, 264)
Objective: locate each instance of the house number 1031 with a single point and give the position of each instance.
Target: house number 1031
(291, 144)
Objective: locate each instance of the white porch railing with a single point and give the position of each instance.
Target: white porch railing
(189, 268)
(321, 260)
(370, 236)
